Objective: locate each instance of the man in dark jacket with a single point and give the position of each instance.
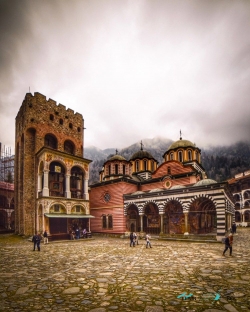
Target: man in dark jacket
(228, 244)
(131, 237)
(36, 239)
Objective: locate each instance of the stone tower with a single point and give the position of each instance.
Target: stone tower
(51, 175)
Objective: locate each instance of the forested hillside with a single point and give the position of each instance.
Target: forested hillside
(220, 162)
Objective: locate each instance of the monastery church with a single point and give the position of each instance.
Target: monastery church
(137, 194)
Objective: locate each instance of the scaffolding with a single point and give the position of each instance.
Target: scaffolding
(6, 189)
(6, 165)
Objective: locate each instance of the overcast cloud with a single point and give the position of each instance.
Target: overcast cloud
(133, 69)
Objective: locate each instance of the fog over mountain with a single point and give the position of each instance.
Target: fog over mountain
(220, 162)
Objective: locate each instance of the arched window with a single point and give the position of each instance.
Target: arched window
(69, 147)
(110, 222)
(124, 169)
(180, 156)
(109, 170)
(116, 168)
(104, 222)
(152, 165)
(196, 156)
(137, 166)
(50, 141)
(189, 155)
(171, 156)
(145, 162)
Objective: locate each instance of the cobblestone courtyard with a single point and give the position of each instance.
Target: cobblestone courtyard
(105, 274)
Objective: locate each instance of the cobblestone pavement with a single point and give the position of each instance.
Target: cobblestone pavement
(106, 274)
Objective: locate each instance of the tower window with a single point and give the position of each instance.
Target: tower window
(137, 166)
(60, 121)
(51, 117)
(171, 156)
(180, 156)
(78, 129)
(124, 169)
(116, 169)
(145, 165)
(189, 155)
(169, 170)
(50, 141)
(70, 125)
(109, 169)
(152, 165)
(69, 147)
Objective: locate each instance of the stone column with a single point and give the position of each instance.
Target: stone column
(141, 221)
(186, 222)
(46, 183)
(67, 185)
(161, 225)
(86, 189)
(39, 183)
(243, 216)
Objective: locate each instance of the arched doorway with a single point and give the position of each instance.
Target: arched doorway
(133, 220)
(151, 219)
(173, 220)
(202, 216)
(237, 216)
(247, 215)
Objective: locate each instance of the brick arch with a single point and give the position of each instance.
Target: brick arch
(174, 199)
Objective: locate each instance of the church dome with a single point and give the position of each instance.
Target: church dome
(205, 182)
(181, 143)
(141, 155)
(117, 157)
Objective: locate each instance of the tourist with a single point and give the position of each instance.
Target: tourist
(77, 232)
(234, 228)
(135, 239)
(228, 244)
(148, 243)
(84, 233)
(36, 239)
(131, 237)
(45, 237)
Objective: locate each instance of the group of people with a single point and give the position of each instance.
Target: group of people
(77, 234)
(134, 240)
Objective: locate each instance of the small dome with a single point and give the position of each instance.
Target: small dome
(141, 155)
(205, 182)
(117, 157)
(175, 187)
(181, 143)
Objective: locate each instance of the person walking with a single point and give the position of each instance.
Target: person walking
(131, 237)
(36, 239)
(148, 243)
(45, 237)
(135, 238)
(228, 244)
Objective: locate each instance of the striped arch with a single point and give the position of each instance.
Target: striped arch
(182, 203)
(128, 205)
(150, 202)
(193, 199)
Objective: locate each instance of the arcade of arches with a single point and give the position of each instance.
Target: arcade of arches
(199, 218)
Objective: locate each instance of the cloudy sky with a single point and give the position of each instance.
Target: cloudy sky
(134, 69)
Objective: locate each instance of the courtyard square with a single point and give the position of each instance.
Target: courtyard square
(105, 274)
